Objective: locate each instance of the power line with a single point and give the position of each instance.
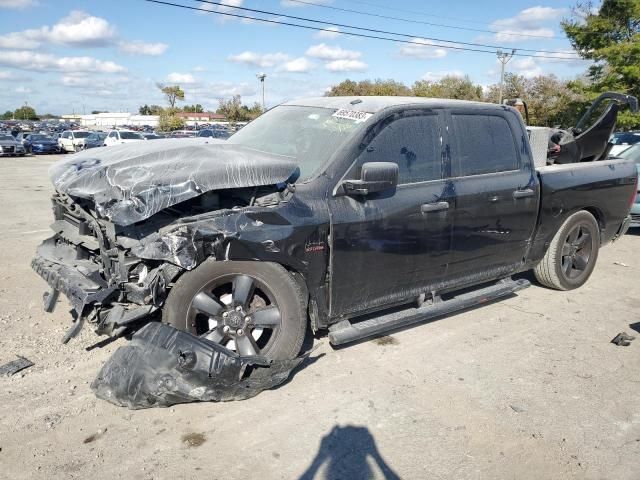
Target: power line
(415, 12)
(372, 30)
(353, 34)
(408, 20)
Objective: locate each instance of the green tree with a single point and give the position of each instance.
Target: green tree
(25, 113)
(172, 93)
(150, 110)
(610, 37)
(169, 120)
(197, 108)
(460, 88)
(368, 87)
(8, 115)
(550, 101)
(235, 111)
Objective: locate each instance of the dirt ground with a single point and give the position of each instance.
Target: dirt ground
(529, 387)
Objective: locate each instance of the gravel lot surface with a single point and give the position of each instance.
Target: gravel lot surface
(528, 387)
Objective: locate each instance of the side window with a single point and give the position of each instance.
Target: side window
(112, 134)
(481, 144)
(413, 142)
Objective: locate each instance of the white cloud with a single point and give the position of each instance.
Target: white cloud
(91, 82)
(328, 33)
(23, 89)
(180, 78)
(78, 29)
(530, 21)
(143, 48)
(9, 75)
(568, 57)
(346, 66)
(267, 60)
(43, 62)
(222, 6)
(25, 40)
(437, 76)
(81, 29)
(526, 67)
(17, 3)
(329, 53)
(298, 65)
(423, 49)
(278, 61)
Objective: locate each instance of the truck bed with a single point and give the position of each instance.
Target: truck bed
(605, 188)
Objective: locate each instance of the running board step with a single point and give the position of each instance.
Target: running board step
(345, 331)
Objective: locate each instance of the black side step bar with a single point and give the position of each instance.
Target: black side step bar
(345, 331)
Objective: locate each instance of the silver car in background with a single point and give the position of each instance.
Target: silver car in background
(9, 146)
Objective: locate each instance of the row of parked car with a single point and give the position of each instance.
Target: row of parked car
(69, 141)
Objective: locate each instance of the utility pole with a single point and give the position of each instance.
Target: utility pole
(504, 58)
(261, 76)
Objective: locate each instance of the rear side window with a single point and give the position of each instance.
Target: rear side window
(481, 144)
(413, 142)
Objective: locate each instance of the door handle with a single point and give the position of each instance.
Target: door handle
(434, 207)
(524, 193)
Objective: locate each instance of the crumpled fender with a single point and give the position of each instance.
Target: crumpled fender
(188, 244)
(163, 366)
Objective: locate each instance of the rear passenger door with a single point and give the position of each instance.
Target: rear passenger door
(496, 193)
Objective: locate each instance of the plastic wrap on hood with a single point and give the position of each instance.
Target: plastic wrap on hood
(129, 183)
(162, 366)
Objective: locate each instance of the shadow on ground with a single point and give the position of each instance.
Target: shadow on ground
(346, 451)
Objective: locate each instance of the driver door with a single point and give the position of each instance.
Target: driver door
(388, 247)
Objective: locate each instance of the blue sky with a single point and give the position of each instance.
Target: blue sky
(62, 56)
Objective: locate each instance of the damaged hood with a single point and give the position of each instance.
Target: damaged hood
(129, 183)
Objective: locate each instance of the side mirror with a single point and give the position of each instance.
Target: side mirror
(374, 177)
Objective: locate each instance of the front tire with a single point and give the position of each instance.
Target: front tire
(254, 308)
(572, 255)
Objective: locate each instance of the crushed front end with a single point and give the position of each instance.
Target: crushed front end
(105, 283)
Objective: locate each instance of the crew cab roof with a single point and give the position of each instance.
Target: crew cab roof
(373, 104)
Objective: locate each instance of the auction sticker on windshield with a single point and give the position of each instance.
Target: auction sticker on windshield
(352, 115)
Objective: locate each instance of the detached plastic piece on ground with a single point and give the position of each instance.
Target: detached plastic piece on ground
(622, 339)
(15, 366)
(163, 366)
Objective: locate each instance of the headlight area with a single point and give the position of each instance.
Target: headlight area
(139, 299)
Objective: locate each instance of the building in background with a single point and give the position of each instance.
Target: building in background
(118, 119)
(193, 118)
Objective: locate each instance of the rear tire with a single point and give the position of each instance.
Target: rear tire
(572, 255)
(271, 286)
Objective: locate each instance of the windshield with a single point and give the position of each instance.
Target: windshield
(80, 134)
(310, 135)
(130, 136)
(7, 137)
(631, 153)
(38, 137)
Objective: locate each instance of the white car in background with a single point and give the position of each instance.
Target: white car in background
(623, 140)
(117, 137)
(72, 140)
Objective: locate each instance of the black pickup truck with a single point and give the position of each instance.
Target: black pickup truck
(356, 215)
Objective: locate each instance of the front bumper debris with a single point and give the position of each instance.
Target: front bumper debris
(163, 366)
(78, 280)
